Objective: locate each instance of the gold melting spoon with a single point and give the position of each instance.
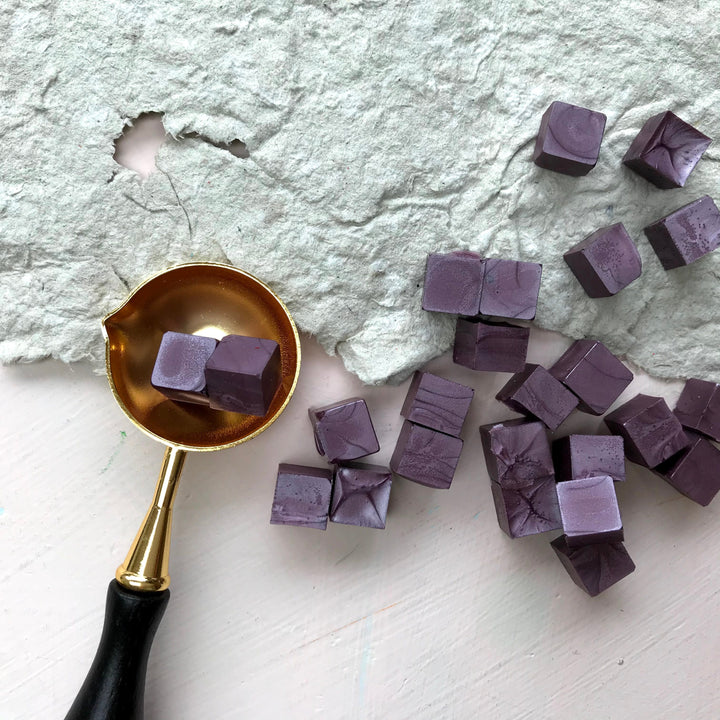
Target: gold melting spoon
(205, 299)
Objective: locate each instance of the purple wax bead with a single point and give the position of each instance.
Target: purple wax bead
(594, 568)
(535, 392)
(243, 374)
(453, 283)
(698, 407)
(569, 139)
(360, 495)
(510, 289)
(684, 236)
(651, 432)
(666, 150)
(517, 453)
(302, 496)
(592, 373)
(343, 430)
(582, 456)
(494, 347)
(527, 510)
(589, 510)
(426, 456)
(179, 371)
(605, 262)
(437, 403)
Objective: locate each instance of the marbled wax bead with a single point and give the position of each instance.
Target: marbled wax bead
(592, 373)
(426, 456)
(687, 234)
(510, 289)
(527, 510)
(343, 430)
(179, 371)
(581, 456)
(666, 150)
(651, 432)
(569, 139)
(437, 403)
(698, 407)
(535, 392)
(360, 496)
(453, 283)
(605, 262)
(302, 496)
(594, 568)
(517, 453)
(488, 346)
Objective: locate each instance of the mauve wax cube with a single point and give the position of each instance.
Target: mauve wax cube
(698, 407)
(527, 510)
(360, 495)
(302, 496)
(510, 289)
(493, 347)
(343, 430)
(453, 282)
(581, 456)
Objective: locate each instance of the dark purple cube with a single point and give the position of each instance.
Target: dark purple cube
(517, 453)
(605, 262)
(343, 430)
(527, 510)
(589, 510)
(510, 289)
(437, 403)
(698, 407)
(594, 568)
(581, 456)
(684, 236)
(535, 392)
(302, 496)
(453, 283)
(593, 374)
(569, 139)
(426, 456)
(651, 432)
(179, 371)
(360, 495)
(666, 150)
(494, 347)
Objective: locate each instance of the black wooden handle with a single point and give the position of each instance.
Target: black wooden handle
(114, 689)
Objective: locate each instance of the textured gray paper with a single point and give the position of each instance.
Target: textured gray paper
(377, 132)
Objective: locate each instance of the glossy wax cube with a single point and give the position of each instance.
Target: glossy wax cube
(651, 432)
(687, 234)
(302, 496)
(493, 347)
(360, 496)
(510, 289)
(179, 371)
(437, 403)
(535, 392)
(666, 150)
(426, 456)
(569, 139)
(605, 262)
(343, 430)
(581, 456)
(589, 510)
(698, 407)
(592, 373)
(527, 510)
(453, 282)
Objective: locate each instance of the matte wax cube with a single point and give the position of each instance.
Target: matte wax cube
(453, 282)
(243, 374)
(517, 453)
(684, 236)
(360, 495)
(493, 347)
(605, 262)
(581, 456)
(437, 403)
(594, 568)
(510, 289)
(426, 456)
(179, 371)
(528, 510)
(569, 139)
(593, 374)
(589, 510)
(651, 432)
(302, 496)
(343, 430)
(666, 150)
(698, 407)
(535, 392)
